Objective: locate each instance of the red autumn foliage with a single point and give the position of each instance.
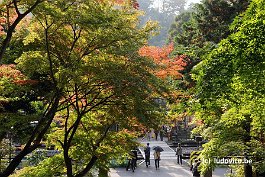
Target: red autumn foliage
(119, 1)
(135, 4)
(10, 72)
(169, 66)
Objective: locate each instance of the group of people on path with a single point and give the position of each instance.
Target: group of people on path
(147, 152)
(193, 168)
(154, 134)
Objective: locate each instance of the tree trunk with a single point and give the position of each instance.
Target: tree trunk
(35, 139)
(88, 167)
(247, 127)
(209, 173)
(248, 170)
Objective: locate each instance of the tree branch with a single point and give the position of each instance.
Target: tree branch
(94, 157)
(29, 148)
(12, 27)
(16, 8)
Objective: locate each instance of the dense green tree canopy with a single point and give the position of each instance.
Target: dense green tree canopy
(76, 69)
(230, 90)
(197, 30)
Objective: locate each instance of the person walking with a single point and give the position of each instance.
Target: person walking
(194, 168)
(132, 160)
(161, 133)
(147, 154)
(156, 134)
(179, 154)
(168, 133)
(148, 135)
(157, 159)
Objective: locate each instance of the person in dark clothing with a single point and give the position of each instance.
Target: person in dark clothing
(195, 168)
(161, 133)
(156, 134)
(132, 160)
(147, 154)
(179, 153)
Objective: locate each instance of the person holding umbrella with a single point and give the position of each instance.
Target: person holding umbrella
(157, 151)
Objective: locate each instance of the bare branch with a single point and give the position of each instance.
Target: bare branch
(61, 143)
(94, 158)
(12, 28)
(75, 38)
(16, 8)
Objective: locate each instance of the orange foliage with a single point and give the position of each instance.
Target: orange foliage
(10, 71)
(161, 56)
(199, 122)
(119, 1)
(25, 82)
(135, 4)
(135, 124)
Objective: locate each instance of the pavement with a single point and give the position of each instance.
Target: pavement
(168, 165)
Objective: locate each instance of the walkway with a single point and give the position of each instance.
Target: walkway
(168, 165)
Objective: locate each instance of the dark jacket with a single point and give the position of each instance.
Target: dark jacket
(147, 150)
(195, 170)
